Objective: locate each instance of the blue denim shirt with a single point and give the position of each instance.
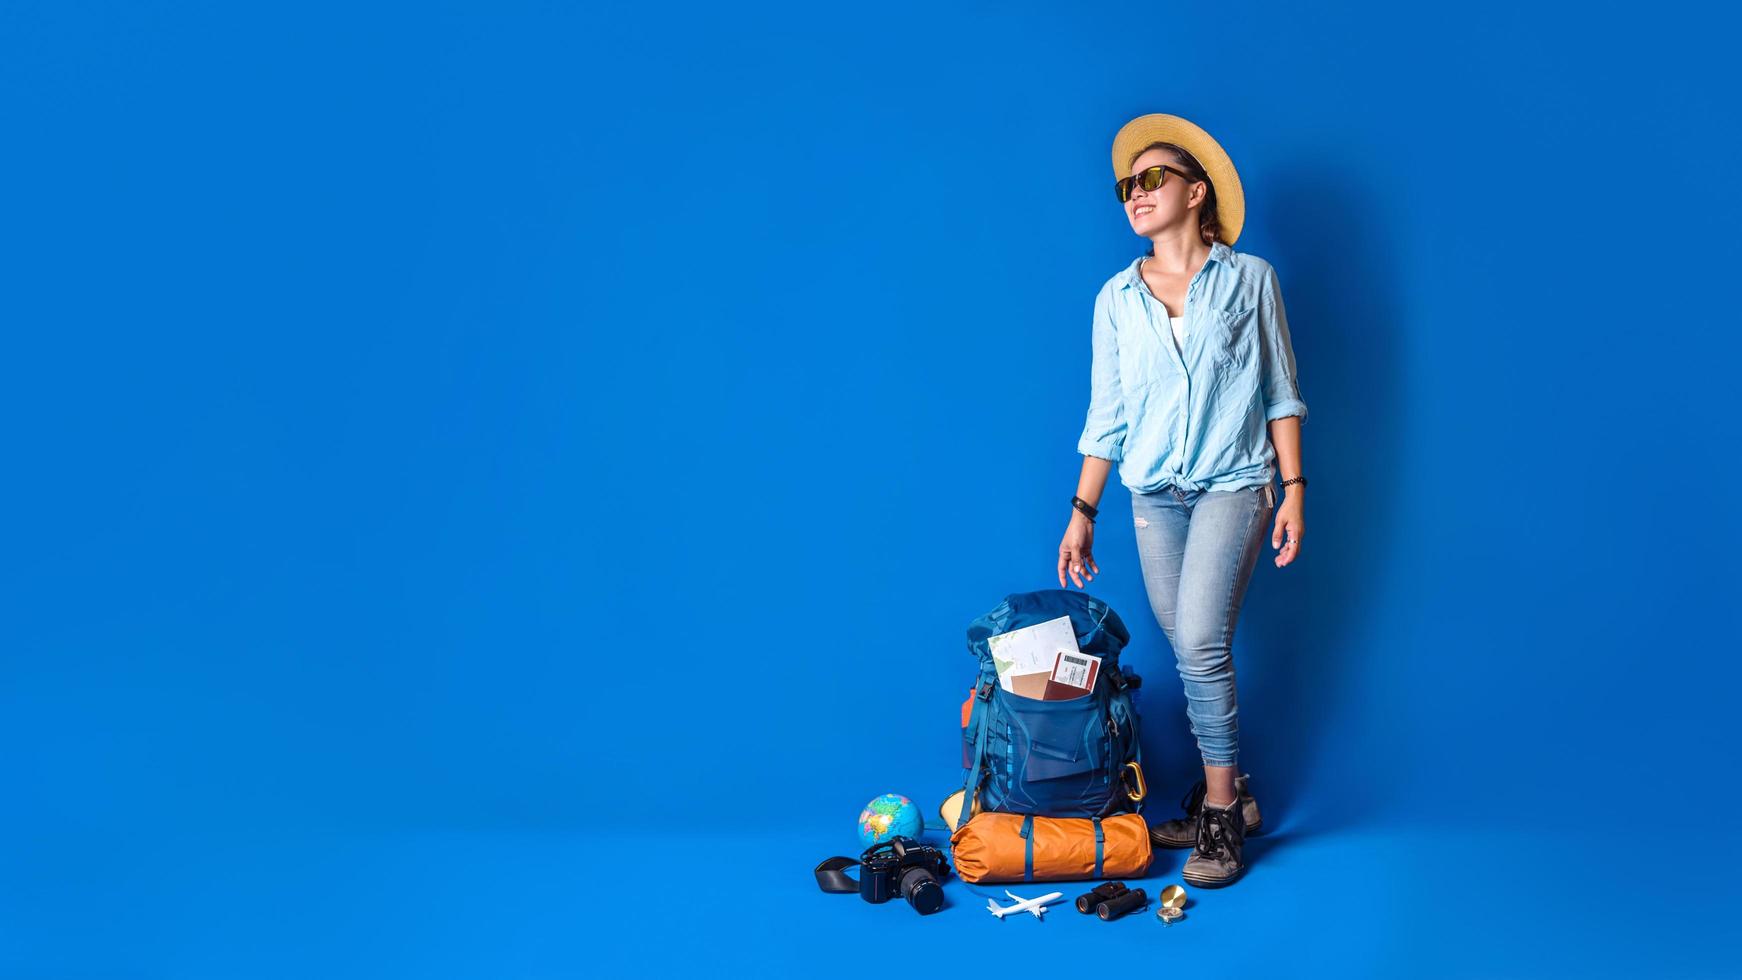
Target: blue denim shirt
(1199, 420)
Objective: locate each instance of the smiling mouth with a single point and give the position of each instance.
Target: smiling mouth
(1143, 210)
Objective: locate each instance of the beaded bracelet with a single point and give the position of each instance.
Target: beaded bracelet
(1299, 479)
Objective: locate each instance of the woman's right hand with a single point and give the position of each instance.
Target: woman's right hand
(1075, 552)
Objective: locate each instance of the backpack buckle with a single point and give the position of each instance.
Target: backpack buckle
(985, 691)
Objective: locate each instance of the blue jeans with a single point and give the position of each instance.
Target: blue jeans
(1198, 549)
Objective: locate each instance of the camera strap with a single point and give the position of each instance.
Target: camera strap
(830, 877)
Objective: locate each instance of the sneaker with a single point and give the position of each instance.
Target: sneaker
(1219, 857)
(1184, 832)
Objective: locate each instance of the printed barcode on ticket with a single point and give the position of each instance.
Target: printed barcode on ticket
(1073, 670)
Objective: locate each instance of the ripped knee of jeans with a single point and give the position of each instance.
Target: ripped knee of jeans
(1140, 522)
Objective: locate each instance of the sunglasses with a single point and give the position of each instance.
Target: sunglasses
(1147, 179)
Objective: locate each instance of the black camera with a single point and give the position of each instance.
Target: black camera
(903, 865)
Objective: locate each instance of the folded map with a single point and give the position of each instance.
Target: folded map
(1031, 650)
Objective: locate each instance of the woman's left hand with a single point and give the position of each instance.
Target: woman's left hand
(1290, 525)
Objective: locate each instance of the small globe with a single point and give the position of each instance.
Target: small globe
(888, 816)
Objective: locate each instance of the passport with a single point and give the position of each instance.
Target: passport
(1073, 675)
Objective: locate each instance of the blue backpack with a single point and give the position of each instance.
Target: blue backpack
(1075, 758)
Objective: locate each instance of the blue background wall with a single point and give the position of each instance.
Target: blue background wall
(494, 489)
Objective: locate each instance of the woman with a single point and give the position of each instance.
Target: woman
(1194, 395)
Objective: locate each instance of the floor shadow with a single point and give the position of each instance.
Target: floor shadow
(1256, 847)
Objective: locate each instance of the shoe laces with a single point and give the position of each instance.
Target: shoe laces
(1194, 798)
(1215, 830)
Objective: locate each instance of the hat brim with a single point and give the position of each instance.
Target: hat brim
(1160, 127)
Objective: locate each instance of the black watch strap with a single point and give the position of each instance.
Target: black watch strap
(1084, 506)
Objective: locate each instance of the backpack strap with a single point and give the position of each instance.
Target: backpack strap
(1100, 838)
(971, 782)
(1028, 849)
(1123, 695)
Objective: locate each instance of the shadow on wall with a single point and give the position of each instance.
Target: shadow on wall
(1297, 655)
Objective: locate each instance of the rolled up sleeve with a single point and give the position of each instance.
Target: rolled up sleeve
(1281, 385)
(1104, 429)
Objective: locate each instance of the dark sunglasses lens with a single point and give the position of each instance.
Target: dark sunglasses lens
(1149, 179)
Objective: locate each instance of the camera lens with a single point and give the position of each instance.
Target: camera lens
(922, 891)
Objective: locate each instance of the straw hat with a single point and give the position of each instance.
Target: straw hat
(1159, 127)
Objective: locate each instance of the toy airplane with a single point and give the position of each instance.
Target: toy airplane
(1033, 906)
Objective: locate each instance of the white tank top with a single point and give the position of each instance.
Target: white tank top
(1178, 323)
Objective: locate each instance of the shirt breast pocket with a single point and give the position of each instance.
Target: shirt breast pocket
(1233, 336)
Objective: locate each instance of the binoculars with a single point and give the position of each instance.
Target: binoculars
(1111, 899)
